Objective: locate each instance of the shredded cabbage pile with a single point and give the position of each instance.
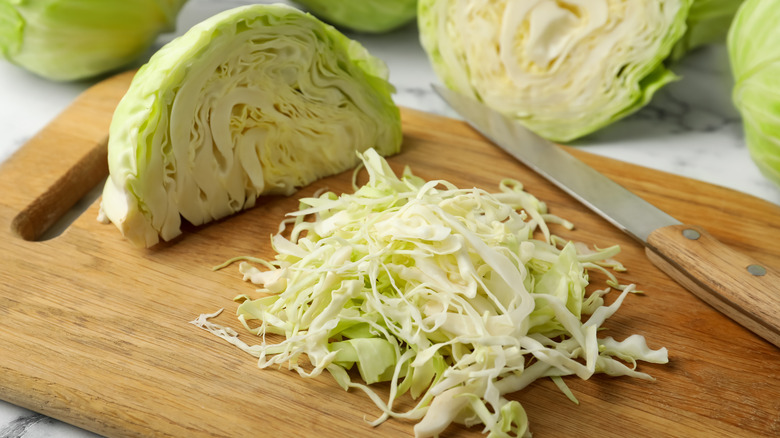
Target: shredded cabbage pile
(458, 297)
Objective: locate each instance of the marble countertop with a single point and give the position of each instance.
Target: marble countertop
(690, 128)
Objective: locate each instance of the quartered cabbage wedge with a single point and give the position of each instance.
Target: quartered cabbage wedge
(370, 16)
(562, 68)
(261, 99)
(76, 39)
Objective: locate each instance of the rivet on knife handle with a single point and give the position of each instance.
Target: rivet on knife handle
(733, 283)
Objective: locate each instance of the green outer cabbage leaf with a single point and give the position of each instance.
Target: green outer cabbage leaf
(708, 22)
(261, 99)
(754, 53)
(67, 40)
(564, 69)
(369, 16)
(458, 297)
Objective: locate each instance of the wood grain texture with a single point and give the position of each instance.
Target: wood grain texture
(720, 276)
(95, 332)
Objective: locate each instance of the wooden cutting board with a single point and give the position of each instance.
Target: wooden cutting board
(95, 332)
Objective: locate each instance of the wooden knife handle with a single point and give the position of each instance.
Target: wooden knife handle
(733, 283)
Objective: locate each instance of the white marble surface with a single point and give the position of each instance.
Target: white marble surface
(690, 129)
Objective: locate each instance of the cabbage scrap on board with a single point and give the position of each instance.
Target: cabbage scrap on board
(67, 40)
(457, 297)
(369, 16)
(261, 99)
(754, 53)
(564, 69)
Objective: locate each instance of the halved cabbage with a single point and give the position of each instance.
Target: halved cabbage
(371, 16)
(754, 53)
(76, 39)
(261, 99)
(564, 68)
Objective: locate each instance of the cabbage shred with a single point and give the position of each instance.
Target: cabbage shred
(458, 297)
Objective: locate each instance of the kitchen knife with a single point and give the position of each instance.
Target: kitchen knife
(733, 283)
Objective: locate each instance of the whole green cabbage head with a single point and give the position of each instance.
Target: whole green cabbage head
(369, 16)
(754, 51)
(708, 22)
(256, 100)
(67, 40)
(563, 68)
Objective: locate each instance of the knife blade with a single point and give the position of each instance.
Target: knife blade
(741, 288)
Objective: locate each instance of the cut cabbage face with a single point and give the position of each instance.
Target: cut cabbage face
(257, 100)
(76, 39)
(370, 16)
(563, 68)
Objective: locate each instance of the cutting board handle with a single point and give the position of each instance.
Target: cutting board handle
(53, 192)
(53, 171)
